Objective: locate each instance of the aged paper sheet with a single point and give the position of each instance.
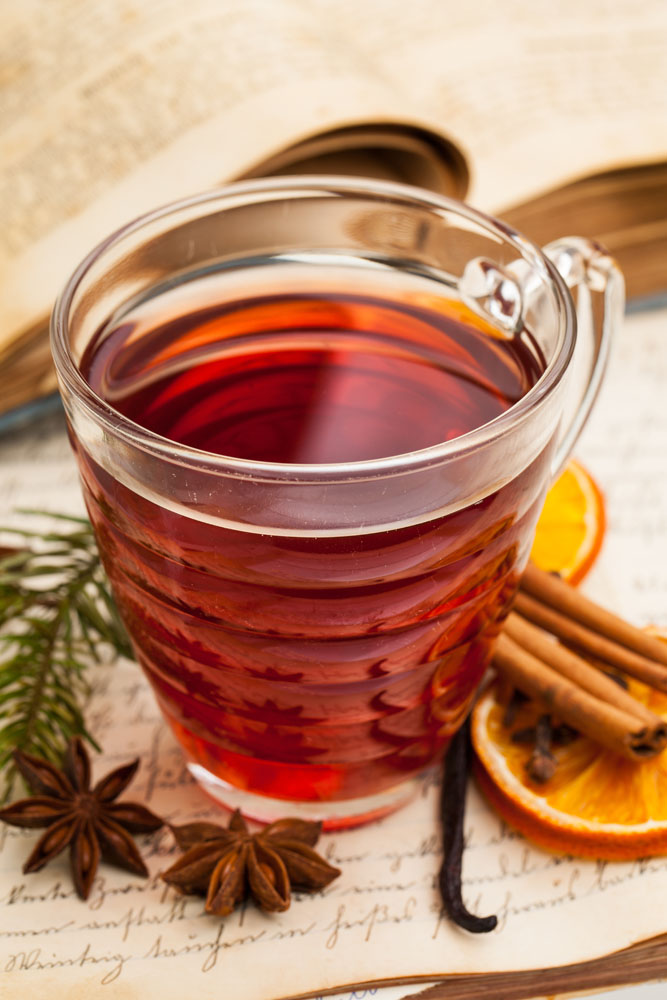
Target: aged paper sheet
(380, 920)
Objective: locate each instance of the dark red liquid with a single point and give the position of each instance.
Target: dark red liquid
(309, 666)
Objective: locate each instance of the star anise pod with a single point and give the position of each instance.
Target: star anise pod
(225, 864)
(89, 820)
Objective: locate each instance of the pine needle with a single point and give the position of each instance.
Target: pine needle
(57, 616)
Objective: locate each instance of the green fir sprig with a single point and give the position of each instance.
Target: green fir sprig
(57, 616)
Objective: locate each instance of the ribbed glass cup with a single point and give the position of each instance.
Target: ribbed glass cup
(315, 633)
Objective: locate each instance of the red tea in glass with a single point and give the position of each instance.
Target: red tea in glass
(311, 529)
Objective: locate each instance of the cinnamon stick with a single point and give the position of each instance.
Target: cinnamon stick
(562, 597)
(560, 623)
(576, 669)
(605, 723)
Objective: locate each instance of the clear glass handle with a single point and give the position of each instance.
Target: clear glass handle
(598, 291)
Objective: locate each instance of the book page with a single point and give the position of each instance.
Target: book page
(536, 95)
(381, 920)
(109, 110)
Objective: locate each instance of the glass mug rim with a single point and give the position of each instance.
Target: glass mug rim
(231, 195)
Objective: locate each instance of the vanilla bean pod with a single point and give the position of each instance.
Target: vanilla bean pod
(452, 814)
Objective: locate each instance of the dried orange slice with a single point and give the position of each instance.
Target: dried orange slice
(596, 804)
(571, 525)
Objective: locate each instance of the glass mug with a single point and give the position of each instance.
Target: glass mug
(315, 421)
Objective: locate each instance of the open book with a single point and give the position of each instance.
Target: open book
(555, 121)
